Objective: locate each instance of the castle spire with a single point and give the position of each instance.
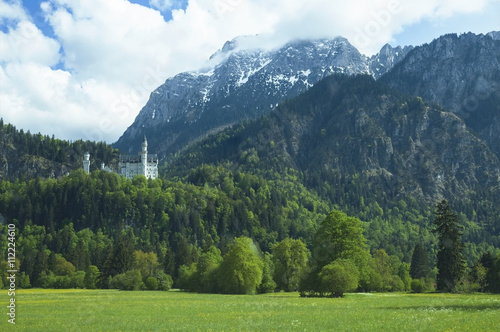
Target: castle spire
(144, 156)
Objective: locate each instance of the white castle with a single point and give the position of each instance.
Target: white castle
(132, 165)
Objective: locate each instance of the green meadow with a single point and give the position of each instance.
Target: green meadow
(112, 310)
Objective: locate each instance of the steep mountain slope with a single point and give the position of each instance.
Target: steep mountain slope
(461, 73)
(345, 128)
(246, 84)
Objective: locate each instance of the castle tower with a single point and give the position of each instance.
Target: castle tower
(86, 162)
(144, 155)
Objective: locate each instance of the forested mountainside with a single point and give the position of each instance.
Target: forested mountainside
(357, 144)
(25, 155)
(346, 126)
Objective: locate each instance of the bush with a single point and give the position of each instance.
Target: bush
(130, 280)
(165, 281)
(91, 277)
(60, 282)
(151, 283)
(418, 286)
(395, 284)
(339, 277)
(24, 280)
(46, 280)
(186, 276)
(77, 280)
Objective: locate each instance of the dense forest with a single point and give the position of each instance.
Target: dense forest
(24, 155)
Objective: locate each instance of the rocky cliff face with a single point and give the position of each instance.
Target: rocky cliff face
(402, 146)
(388, 56)
(461, 73)
(246, 84)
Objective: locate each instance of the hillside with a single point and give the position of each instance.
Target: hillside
(25, 155)
(366, 149)
(355, 126)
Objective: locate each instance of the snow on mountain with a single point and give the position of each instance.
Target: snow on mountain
(245, 83)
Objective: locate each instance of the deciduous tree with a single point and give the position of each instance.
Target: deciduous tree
(241, 269)
(290, 260)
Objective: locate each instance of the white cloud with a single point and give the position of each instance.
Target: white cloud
(27, 44)
(11, 11)
(111, 53)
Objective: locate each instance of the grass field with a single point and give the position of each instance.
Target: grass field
(111, 310)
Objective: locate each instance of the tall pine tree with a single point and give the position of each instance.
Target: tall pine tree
(450, 259)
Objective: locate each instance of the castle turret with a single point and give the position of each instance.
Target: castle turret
(86, 162)
(144, 155)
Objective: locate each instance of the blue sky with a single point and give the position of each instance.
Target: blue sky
(83, 69)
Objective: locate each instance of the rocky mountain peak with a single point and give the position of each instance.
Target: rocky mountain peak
(248, 81)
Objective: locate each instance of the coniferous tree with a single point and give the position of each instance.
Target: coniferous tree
(419, 267)
(450, 259)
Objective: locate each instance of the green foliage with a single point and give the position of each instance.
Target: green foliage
(43, 155)
(24, 280)
(186, 280)
(419, 263)
(151, 283)
(206, 271)
(493, 276)
(146, 263)
(450, 260)
(387, 268)
(91, 277)
(63, 267)
(130, 280)
(78, 280)
(418, 286)
(165, 281)
(339, 277)
(290, 258)
(341, 236)
(268, 285)
(241, 269)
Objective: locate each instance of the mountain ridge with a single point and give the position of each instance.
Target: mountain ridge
(461, 73)
(246, 84)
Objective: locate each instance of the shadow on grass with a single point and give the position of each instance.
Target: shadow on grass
(453, 307)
